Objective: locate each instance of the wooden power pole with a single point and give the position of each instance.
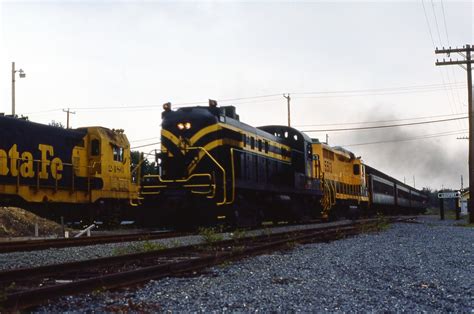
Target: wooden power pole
(465, 52)
(288, 101)
(68, 111)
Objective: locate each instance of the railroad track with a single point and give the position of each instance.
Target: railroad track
(42, 244)
(25, 288)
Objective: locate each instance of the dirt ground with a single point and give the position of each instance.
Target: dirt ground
(17, 222)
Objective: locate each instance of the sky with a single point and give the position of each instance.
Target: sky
(346, 64)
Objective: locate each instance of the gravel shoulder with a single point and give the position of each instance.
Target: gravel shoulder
(16, 260)
(410, 267)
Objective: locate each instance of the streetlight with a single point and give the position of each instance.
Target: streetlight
(22, 74)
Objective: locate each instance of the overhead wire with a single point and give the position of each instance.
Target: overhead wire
(378, 121)
(146, 145)
(144, 139)
(456, 104)
(449, 44)
(372, 94)
(452, 106)
(386, 89)
(427, 136)
(343, 93)
(384, 126)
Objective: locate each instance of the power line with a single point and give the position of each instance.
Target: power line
(144, 139)
(456, 105)
(453, 110)
(428, 23)
(409, 138)
(379, 121)
(444, 19)
(375, 94)
(387, 90)
(146, 145)
(449, 44)
(384, 126)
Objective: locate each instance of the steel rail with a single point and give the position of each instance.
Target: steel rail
(42, 244)
(196, 257)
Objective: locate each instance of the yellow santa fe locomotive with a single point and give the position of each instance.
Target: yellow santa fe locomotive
(83, 173)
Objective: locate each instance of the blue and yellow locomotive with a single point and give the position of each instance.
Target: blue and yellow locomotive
(212, 167)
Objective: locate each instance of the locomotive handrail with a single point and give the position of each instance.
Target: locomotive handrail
(224, 192)
(157, 176)
(232, 166)
(220, 167)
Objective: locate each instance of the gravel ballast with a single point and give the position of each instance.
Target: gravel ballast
(409, 267)
(72, 254)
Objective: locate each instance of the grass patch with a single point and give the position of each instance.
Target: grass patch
(210, 235)
(239, 234)
(146, 246)
(466, 225)
(382, 224)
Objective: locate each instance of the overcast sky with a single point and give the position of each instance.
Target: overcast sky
(116, 62)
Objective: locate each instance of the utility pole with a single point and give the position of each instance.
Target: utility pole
(68, 111)
(288, 100)
(465, 64)
(13, 89)
(22, 75)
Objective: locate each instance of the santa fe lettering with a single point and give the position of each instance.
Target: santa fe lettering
(13, 163)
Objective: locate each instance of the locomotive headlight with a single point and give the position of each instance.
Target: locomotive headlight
(187, 125)
(180, 126)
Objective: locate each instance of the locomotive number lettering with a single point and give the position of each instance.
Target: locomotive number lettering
(115, 169)
(14, 163)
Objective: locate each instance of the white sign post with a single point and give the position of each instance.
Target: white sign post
(455, 194)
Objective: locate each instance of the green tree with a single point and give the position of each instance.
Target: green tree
(57, 124)
(147, 167)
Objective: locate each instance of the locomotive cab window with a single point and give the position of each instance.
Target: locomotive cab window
(260, 145)
(252, 142)
(266, 147)
(95, 147)
(356, 169)
(118, 153)
(244, 139)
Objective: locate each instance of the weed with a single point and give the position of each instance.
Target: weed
(175, 243)
(209, 235)
(382, 224)
(267, 231)
(98, 291)
(225, 264)
(465, 224)
(238, 248)
(4, 292)
(239, 234)
(146, 246)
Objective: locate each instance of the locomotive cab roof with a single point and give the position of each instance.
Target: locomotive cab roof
(290, 136)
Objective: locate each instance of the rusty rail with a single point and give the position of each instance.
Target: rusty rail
(42, 244)
(136, 268)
